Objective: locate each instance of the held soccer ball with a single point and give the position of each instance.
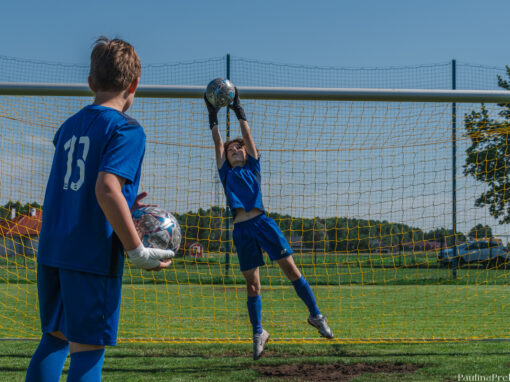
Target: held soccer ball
(157, 228)
(220, 92)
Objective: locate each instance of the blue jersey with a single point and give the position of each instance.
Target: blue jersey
(75, 233)
(242, 185)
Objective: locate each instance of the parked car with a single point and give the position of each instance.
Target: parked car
(488, 252)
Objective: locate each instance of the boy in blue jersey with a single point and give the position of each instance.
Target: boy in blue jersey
(87, 222)
(239, 169)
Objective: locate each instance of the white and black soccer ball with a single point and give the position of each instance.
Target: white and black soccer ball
(157, 228)
(220, 92)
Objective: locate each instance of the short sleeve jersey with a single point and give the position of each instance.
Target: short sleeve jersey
(75, 233)
(242, 185)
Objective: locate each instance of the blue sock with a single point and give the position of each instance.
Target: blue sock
(304, 291)
(86, 366)
(48, 360)
(255, 313)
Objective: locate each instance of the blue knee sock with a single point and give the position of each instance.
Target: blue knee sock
(48, 360)
(255, 313)
(86, 366)
(304, 291)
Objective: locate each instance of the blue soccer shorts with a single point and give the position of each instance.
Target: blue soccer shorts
(251, 236)
(83, 306)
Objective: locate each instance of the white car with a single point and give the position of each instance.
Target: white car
(489, 252)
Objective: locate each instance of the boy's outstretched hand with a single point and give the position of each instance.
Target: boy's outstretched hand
(236, 107)
(213, 113)
(162, 264)
(151, 259)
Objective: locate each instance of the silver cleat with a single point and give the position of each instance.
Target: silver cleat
(259, 341)
(321, 323)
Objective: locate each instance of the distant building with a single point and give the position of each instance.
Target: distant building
(299, 246)
(19, 235)
(379, 246)
(423, 245)
(296, 242)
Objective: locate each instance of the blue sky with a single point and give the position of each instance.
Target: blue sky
(368, 33)
(348, 34)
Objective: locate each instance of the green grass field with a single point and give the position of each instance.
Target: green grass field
(372, 303)
(210, 312)
(319, 269)
(291, 362)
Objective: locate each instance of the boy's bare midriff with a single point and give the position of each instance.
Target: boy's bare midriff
(242, 215)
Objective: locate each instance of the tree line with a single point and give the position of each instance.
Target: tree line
(211, 227)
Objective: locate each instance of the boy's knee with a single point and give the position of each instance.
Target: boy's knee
(75, 347)
(58, 334)
(253, 289)
(289, 268)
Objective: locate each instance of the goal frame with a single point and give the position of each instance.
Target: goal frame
(273, 93)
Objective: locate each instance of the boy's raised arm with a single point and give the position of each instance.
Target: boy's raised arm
(216, 135)
(251, 149)
(218, 146)
(248, 139)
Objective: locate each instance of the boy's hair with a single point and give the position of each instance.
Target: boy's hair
(114, 65)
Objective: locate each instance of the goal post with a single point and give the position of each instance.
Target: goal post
(273, 93)
(359, 181)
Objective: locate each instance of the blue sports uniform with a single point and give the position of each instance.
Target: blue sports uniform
(242, 189)
(80, 259)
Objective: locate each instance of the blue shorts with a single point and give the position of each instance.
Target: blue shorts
(83, 306)
(251, 236)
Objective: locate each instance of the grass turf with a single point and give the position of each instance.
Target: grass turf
(202, 312)
(368, 298)
(232, 362)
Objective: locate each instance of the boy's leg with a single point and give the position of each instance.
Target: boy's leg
(86, 362)
(303, 290)
(270, 237)
(252, 277)
(300, 284)
(49, 358)
(92, 307)
(250, 259)
(260, 336)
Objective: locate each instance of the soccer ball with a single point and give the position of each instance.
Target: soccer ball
(157, 228)
(220, 92)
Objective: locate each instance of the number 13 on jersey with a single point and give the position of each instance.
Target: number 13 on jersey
(80, 163)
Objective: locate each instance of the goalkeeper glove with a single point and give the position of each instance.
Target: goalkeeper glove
(148, 258)
(213, 113)
(237, 108)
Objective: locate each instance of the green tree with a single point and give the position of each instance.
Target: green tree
(487, 156)
(21, 209)
(319, 234)
(445, 236)
(480, 231)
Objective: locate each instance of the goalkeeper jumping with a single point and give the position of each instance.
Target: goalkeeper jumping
(239, 169)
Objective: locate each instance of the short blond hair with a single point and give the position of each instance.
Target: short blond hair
(114, 65)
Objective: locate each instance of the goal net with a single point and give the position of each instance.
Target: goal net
(371, 196)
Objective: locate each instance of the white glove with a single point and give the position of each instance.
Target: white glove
(148, 258)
